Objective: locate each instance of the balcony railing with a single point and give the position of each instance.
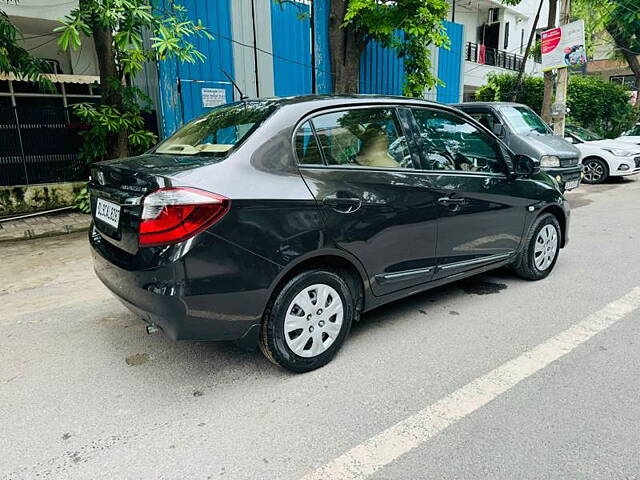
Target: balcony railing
(492, 56)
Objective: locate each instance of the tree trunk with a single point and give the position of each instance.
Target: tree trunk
(547, 99)
(118, 143)
(346, 46)
(632, 60)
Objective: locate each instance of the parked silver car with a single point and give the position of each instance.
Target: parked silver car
(527, 134)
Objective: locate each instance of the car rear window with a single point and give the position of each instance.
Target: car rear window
(219, 131)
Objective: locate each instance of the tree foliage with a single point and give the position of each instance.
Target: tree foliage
(621, 20)
(409, 26)
(117, 28)
(500, 87)
(593, 103)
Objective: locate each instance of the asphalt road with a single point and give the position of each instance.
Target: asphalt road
(492, 377)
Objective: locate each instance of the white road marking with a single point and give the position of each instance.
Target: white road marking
(367, 458)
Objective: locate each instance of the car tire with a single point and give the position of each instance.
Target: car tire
(294, 335)
(596, 171)
(541, 249)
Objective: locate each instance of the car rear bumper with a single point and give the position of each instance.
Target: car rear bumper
(203, 307)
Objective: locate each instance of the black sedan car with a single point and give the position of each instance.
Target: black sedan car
(278, 222)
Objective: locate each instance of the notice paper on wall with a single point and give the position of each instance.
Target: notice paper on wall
(212, 97)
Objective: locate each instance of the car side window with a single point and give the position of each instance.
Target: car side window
(307, 147)
(364, 137)
(454, 144)
(486, 119)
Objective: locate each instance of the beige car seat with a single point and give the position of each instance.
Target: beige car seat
(374, 150)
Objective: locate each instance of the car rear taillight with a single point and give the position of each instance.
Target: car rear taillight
(171, 215)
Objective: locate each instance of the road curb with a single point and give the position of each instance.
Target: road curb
(34, 233)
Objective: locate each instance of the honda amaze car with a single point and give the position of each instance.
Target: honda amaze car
(279, 222)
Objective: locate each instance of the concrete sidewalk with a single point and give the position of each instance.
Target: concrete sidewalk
(44, 226)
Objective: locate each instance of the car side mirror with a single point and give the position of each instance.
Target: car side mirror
(498, 130)
(525, 166)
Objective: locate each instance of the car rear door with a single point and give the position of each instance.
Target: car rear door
(481, 208)
(376, 206)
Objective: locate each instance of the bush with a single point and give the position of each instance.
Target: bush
(500, 88)
(600, 106)
(593, 103)
(81, 201)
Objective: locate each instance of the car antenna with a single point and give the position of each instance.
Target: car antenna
(243, 97)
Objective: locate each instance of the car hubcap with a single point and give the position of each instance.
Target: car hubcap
(314, 320)
(593, 171)
(546, 247)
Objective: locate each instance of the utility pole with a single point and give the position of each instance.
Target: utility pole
(547, 99)
(563, 78)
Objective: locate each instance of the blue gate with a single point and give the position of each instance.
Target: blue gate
(291, 36)
(381, 71)
(188, 90)
(450, 65)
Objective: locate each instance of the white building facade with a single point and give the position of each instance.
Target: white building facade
(495, 38)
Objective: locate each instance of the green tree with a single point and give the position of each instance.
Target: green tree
(354, 23)
(15, 59)
(409, 26)
(117, 28)
(623, 24)
(500, 87)
(621, 20)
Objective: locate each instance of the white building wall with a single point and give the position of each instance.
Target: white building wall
(36, 20)
(40, 9)
(244, 60)
(520, 18)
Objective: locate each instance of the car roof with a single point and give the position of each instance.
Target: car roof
(487, 104)
(329, 100)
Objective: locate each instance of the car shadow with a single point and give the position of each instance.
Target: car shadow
(484, 284)
(204, 365)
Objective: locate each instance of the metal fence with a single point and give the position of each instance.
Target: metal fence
(492, 56)
(39, 144)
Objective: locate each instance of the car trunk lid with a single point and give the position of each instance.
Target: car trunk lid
(120, 186)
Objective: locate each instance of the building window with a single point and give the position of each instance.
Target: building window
(506, 36)
(623, 80)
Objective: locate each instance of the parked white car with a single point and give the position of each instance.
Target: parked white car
(632, 135)
(603, 158)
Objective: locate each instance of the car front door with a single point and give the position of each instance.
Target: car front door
(375, 204)
(481, 207)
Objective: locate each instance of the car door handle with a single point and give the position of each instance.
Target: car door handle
(342, 204)
(448, 201)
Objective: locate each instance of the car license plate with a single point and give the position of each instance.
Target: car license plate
(571, 184)
(108, 213)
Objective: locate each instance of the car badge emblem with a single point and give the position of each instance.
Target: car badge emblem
(101, 179)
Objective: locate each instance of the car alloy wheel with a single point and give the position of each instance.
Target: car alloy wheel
(594, 171)
(313, 321)
(546, 247)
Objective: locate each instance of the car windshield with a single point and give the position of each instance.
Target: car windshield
(219, 131)
(635, 131)
(524, 121)
(583, 134)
